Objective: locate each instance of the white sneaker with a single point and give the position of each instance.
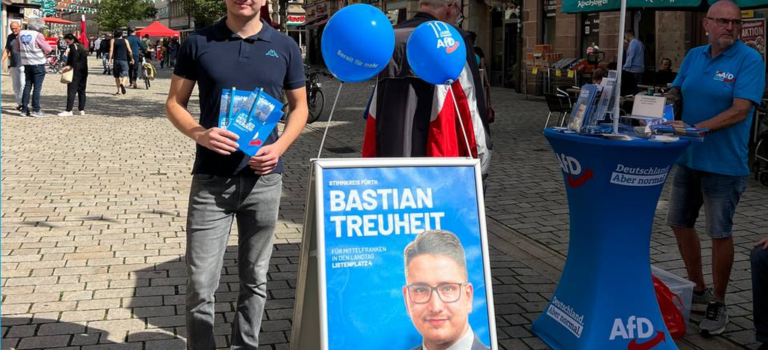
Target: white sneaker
(66, 114)
(39, 114)
(82, 112)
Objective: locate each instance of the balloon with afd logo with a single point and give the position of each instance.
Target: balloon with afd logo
(436, 52)
(357, 43)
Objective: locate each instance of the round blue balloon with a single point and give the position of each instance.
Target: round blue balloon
(357, 43)
(436, 52)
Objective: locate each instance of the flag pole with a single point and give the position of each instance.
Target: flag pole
(619, 66)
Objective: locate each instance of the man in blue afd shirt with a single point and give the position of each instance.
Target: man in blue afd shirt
(720, 83)
(243, 52)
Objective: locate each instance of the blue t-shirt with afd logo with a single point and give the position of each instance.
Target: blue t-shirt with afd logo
(218, 59)
(709, 86)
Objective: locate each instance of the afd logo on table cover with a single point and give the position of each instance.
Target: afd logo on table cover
(576, 176)
(640, 331)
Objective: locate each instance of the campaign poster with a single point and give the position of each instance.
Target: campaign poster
(391, 247)
(753, 34)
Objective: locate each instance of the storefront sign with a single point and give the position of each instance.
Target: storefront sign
(387, 241)
(747, 14)
(296, 20)
(550, 8)
(753, 34)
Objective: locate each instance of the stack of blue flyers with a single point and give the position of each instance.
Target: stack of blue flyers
(252, 116)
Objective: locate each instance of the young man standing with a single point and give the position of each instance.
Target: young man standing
(243, 52)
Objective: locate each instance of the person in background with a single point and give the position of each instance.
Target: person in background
(720, 84)
(17, 69)
(173, 49)
(480, 57)
(32, 49)
(635, 63)
(664, 75)
(759, 259)
(137, 47)
(97, 46)
(77, 62)
(148, 44)
(104, 50)
(598, 75)
(62, 48)
(121, 56)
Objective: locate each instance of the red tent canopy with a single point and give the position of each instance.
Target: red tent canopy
(57, 20)
(157, 29)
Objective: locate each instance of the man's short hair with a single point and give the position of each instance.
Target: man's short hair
(599, 74)
(436, 4)
(438, 242)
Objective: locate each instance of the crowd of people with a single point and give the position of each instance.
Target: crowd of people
(122, 57)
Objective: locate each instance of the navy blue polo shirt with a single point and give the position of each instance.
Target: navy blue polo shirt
(709, 86)
(218, 59)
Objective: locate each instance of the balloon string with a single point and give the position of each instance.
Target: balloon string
(458, 115)
(325, 133)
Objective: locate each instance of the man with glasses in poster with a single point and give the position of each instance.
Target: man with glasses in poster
(719, 84)
(438, 295)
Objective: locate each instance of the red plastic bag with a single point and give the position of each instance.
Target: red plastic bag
(673, 317)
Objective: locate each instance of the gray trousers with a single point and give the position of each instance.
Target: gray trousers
(17, 76)
(213, 202)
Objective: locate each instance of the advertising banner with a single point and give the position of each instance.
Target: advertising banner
(753, 34)
(605, 298)
(402, 255)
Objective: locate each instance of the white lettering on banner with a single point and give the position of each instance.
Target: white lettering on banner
(569, 164)
(371, 225)
(564, 315)
(354, 256)
(629, 176)
(643, 326)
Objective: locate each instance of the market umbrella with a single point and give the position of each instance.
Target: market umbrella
(157, 29)
(55, 20)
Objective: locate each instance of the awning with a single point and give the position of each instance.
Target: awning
(578, 6)
(157, 29)
(318, 21)
(55, 20)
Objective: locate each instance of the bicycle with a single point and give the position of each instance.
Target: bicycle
(53, 64)
(315, 97)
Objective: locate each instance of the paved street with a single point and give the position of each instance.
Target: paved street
(94, 209)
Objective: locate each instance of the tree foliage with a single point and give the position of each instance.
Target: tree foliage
(204, 12)
(114, 14)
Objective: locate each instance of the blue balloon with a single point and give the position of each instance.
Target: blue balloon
(357, 43)
(436, 52)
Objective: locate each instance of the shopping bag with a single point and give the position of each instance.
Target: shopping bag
(67, 77)
(673, 317)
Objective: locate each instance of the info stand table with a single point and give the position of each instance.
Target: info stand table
(605, 299)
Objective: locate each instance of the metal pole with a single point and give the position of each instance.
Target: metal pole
(619, 66)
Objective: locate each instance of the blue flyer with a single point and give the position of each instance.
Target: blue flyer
(404, 259)
(251, 116)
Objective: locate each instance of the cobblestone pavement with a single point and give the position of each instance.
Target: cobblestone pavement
(94, 209)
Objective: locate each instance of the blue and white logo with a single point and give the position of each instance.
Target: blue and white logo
(272, 53)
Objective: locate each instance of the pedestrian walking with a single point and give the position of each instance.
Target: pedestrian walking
(17, 69)
(173, 50)
(720, 84)
(137, 47)
(77, 62)
(97, 46)
(104, 50)
(121, 56)
(227, 184)
(32, 49)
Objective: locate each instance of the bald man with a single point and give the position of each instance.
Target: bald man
(17, 69)
(720, 85)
